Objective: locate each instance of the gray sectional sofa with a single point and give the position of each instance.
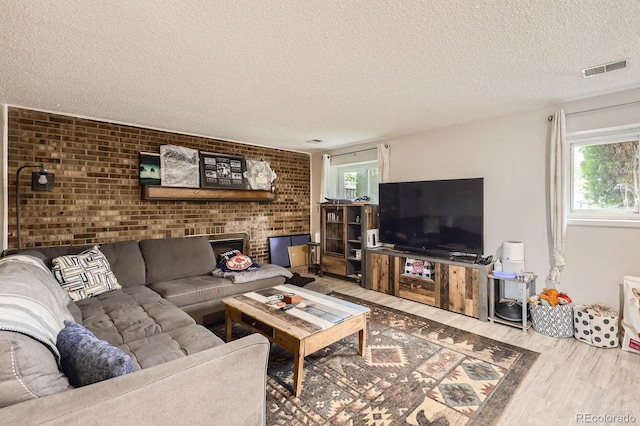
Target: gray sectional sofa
(183, 373)
(179, 269)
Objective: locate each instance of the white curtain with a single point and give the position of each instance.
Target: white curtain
(324, 175)
(383, 162)
(557, 199)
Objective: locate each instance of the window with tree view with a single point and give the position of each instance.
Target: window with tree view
(604, 174)
(354, 180)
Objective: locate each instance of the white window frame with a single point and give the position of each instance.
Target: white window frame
(598, 217)
(334, 181)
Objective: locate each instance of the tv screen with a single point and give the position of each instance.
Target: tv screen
(435, 217)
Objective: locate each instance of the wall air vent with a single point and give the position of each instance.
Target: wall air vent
(601, 69)
(314, 141)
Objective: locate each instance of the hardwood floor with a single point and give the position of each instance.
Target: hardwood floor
(570, 380)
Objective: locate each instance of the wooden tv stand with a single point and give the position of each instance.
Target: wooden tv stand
(456, 286)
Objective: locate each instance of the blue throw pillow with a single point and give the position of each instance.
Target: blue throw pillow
(85, 359)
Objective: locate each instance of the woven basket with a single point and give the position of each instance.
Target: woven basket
(553, 321)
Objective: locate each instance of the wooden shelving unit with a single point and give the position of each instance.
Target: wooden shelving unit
(151, 192)
(455, 286)
(344, 232)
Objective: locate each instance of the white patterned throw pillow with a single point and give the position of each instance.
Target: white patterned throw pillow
(85, 275)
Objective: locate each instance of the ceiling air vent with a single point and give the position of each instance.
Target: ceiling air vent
(314, 141)
(601, 69)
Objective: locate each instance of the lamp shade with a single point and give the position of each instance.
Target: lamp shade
(42, 181)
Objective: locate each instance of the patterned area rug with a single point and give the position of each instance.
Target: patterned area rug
(415, 372)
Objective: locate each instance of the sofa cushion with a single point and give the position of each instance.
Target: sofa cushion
(85, 359)
(133, 313)
(173, 258)
(85, 275)
(174, 344)
(126, 262)
(28, 369)
(187, 291)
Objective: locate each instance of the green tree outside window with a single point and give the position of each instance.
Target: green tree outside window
(607, 176)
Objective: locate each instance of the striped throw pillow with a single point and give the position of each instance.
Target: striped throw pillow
(85, 275)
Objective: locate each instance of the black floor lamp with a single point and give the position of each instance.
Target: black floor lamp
(40, 181)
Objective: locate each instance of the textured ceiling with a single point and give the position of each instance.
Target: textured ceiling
(278, 73)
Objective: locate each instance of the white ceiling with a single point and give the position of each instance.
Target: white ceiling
(278, 73)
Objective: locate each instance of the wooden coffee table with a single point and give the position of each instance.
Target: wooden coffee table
(302, 331)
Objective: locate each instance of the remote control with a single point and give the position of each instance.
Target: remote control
(287, 307)
(484, 260)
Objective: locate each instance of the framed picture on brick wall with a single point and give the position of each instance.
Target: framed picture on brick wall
(179, 166)
(222, 171)
(150, 168)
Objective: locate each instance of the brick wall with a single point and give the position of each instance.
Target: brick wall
(97, 194)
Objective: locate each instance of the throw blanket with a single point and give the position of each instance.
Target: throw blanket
(31, 300)
(266, 270)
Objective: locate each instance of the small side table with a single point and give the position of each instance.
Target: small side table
(314, 258)
(527, 288)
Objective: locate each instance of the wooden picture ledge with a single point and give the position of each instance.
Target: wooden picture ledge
(152, 192)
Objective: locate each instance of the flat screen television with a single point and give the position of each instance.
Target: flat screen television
(436, 217)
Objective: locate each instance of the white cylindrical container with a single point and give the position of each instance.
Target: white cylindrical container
(516, 266)
(512, 261)
(513, 250)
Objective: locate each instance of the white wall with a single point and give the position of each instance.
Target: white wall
(316, 177)
(510, 153)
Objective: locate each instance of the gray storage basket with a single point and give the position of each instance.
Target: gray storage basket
(553, 321)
